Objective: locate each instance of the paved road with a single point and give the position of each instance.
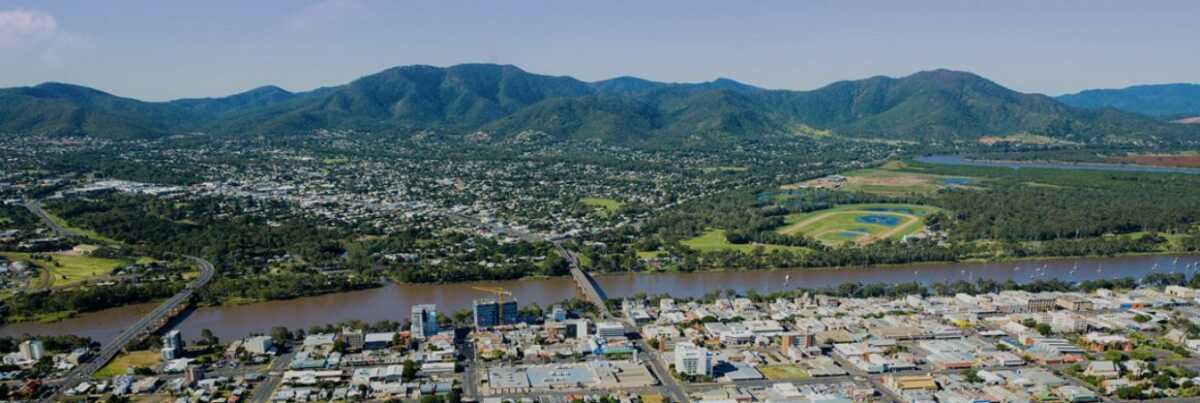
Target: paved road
(35, 207)
(274, 375)
(146, 324)
(676, 392)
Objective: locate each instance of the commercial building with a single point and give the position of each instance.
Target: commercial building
(172, 345)
(693, 360)
(354, 339)
(796, 339)
(424, 321)
(258, 344)
(577, 328)
(193, 374)
(491, 313)
(32, 350)
(610, 329)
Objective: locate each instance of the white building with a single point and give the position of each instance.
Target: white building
(610, 329)
(257, 344)
(692, 360)
(32, 350)
(424, 321)
(577, 328)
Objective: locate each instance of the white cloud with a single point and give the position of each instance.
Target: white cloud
(21, 27)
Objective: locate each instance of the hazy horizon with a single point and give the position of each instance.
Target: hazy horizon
(151, 51)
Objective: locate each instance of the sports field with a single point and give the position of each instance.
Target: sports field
(608, 206)
(861, 223)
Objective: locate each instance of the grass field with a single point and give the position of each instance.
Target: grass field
(714, 240)
(69, 270)
(83, 232)
(650, 254)
(609, 206)
(132, 359)
(860, 223)
(891, 181)
(894, 178)
(783, 372)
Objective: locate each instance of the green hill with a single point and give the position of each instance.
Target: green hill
(510, 104)
(1156, 100)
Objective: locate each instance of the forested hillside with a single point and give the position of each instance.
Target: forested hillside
(484, 102)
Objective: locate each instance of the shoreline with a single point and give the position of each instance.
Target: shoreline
(537, 278)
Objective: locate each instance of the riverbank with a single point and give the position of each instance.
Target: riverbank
(232, 302)
(393, 301)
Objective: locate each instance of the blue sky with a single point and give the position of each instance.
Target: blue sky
(159, 50)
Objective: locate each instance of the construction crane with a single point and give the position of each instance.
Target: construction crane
(500, 292)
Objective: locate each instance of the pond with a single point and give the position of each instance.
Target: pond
(879, 219)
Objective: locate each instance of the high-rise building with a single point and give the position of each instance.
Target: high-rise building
(557, 313)
(797, 339)
(32, 350)
(354, 338)
(172, 345)
(424, 321)
(692, 360)
(490, 313)
(193, 374)
(577, 328)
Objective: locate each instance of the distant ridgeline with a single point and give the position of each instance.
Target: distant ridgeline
(500, 103)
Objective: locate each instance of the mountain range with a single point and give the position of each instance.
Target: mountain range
(1165, 100)
(506, 103)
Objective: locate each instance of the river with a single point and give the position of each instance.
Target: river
(393, 301)
(1089, 166)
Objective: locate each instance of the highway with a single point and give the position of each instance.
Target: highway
(146, 325)
(35, 207)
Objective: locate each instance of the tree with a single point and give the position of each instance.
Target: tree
(280, 335)
(208, 338)
(44, 367)
(409, 371)
(463, 316)
(1130, 392)
(972, 376)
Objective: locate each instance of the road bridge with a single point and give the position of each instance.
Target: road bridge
(145, 326)
(584, 282)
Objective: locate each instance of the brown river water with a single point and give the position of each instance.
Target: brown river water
(393, 301)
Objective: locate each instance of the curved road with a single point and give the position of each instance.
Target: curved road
(148, 323)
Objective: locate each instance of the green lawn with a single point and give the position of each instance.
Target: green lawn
(133, 359)
(895, 179)
(608, 205)
(650, 254)
(854, 222)
(714, 240)
(81, 231)
(70, 269)
(783, 372)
